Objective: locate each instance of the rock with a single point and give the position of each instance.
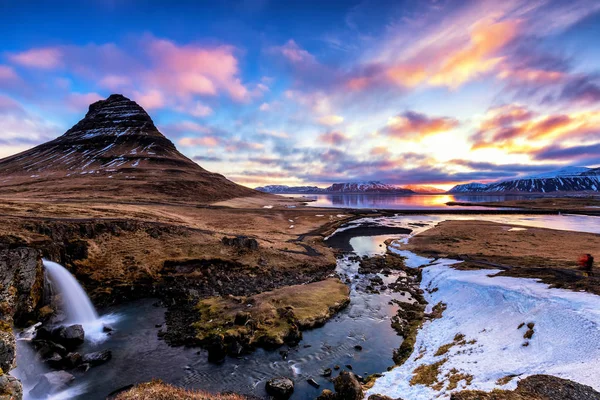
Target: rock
(241, 318)
(69, 336)
(241, 242)
(46, 348)
(10, 388)
(313, 383)
(358, 347)
(107, 329)
(51, 383)
(280, 388)
(84, 367)
(347, 386)
(326, 395)
(380, 397)
(349, 366)
(8, 348)
(72, 360)
(97, 358)
(327, 372)
(43, 333)
(216, 350)
(337, 367)
(55, 361)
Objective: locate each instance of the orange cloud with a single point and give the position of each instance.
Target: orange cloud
(44, 58)
(407, 75)
(479, 55)
(411, 124)
(331, 120)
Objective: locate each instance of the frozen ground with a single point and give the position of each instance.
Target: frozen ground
(566, 342)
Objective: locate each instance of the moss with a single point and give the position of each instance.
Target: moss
(505, 380)
(269, 318)
(438, 310)
(455, 376)
(427, 374)
(5, 326)
(156, 390)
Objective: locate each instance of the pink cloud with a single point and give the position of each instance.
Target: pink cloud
(7, 73)
(207, 141)
(151, 99)
(294, 53)
(81, 101)
(333, 138)
(44, 58)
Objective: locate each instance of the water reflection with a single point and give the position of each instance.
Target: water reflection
(390, 201)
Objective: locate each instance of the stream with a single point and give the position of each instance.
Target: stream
(139, 355)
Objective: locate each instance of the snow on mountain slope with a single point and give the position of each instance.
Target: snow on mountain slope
(569, 179)
(289, 189)
(348, 187)
(115, 150)
(488, 312)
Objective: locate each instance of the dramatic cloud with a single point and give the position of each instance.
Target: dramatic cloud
(411, 124)
(331, 120)
(333, 138)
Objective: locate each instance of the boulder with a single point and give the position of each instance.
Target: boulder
(55, 361)
(72, 360)
(46, 348)
(69, 336)
(52, 382)
(326, 395)
(8, 347)
(97, 358)
(280, 388)
(241, 242)
(347, 386)
(10, 388)
(380, 397)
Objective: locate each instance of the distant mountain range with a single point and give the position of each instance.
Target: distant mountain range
(568, 179)
(347, 187)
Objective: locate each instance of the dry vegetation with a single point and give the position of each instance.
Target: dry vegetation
(548, 254)
(270, 317)
(157, 390)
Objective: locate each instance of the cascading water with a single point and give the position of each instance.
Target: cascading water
(76, 304)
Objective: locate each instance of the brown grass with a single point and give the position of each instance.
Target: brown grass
(268, 316)
(427, 374)
(157, 390)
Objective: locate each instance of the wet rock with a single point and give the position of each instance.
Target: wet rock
(280, 388)
(235, 348)
(326, 395)
(8, 346)
(347, 386)
(52, 382)
(97, 358)
(349, 367)
(69, 336)
(55, 361)
(107, 329)
(358, 347)
(10, 388)
(84, 367)
(216, 350)
(327, 372)
(241, 242)
(46, 348)
(43, 333)
(313, 383)
(72, 360)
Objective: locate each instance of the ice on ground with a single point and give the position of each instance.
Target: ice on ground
(516, 229)
(267, 206)
(489, 310)
(411, 260)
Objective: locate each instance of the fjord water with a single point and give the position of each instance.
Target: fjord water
(405, 202)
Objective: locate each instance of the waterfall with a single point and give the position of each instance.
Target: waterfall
(75, 302)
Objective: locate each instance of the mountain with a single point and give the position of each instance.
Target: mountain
(349, 187)
(424, 189)
(283, 189)
(116, 151)
(569, 179)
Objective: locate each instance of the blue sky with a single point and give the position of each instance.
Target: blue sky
(285, 92)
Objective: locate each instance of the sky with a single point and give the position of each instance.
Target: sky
(315, 92)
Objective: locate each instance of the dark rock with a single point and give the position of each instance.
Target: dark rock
(46, 348)
(55, 361)
(235, 348)
(358, 347)
(241, 318)
(349, 367)
(216, 350)
(280, 388)
(73, 360)
(347, 386)
(107, 329)
(43, 333)
(313, 383)
(69, 336)
(284, 354)
(52, 382)
(551, 387)
(337, 367)
(327, 372)
(241, 242)
(84, 367)
(97, 358)
(380, 397)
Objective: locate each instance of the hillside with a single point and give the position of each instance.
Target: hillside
(115, 152)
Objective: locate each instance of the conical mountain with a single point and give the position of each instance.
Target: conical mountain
(115, 152)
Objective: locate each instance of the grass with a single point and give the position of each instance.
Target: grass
(427, 374)
(455, 376)
(459, 340)
(156, 390)
(267, 318)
